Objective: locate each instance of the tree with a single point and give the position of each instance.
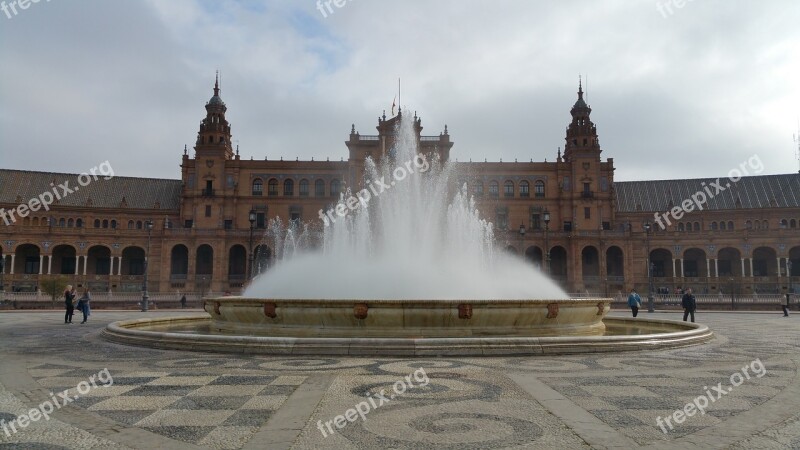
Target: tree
(54, 286)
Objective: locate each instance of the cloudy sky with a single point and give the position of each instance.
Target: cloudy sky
(676, 92)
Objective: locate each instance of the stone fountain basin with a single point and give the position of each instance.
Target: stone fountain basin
(407, 318)
(406, 328)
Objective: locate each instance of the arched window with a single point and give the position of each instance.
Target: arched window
(36, 221)
(765, 224)
(524, 189)
(113, 224)
(730, 225)
(697, 226)
(793, 223)
(748, 225)
(538, 189)
(508, 189)
(70, 223)
(477, 189)
(335, 188)
(494, 189)
(131, 225)
(62, 222)
(304, 188)
(722, 226)
(139, 225)
(105, 223)
(79, 223)
(272, 188)
(714, 226)
(288, 188)
(258, 187)
(784, 223)
(680, 228)
(319, 188)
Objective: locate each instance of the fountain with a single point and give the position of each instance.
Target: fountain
(406, 267)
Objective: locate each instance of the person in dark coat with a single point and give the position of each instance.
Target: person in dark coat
(785, 306)
(183, 301)
(69, 298)
(689, 304)
(634, 302)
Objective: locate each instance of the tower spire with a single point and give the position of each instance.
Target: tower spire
(580, 86)
(216, 85)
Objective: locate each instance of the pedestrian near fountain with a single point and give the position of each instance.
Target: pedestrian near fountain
(635, 302)
(785, 306)
(69, 298)
(689, 304)
(183, 301)
(83, 304)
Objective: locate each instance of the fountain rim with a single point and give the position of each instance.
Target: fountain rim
(125, 332)
(454, 301)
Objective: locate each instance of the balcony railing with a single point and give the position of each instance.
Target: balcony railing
(587, 194)
(208, 192)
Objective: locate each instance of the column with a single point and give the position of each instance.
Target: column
(111, 268)
(85, 263)
(77, 264)
(716, 268)
(13, 256)
(119, 266)
(674, 272)
(41, 263)
(50, 265)
(779, 267)
(708, 268)
(751, 266)
(681, 263)
(743, 271)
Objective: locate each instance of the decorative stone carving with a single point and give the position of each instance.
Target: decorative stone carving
(552, 310)
(360, 310)
(269, 310)
(216, 308)
(600, 308)
(465, 311)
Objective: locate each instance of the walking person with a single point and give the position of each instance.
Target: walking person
(69, 299)
(83, 304)
(689, 304)
(635, 302)
(183, 301)
(785, 306)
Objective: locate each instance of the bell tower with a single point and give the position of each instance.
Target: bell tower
(214, 137)
(582, 141)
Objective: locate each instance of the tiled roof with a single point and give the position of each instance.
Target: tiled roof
(765, 191)
(19, 186)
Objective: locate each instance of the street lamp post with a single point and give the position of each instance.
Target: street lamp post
(522, 237)
(788, 273)
(650, 305)
(546, 243)
(252, 218)
(3, 278)
(145, 297)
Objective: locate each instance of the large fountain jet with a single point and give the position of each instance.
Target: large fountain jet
(406, 233)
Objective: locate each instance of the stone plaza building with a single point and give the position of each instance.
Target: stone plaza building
(567, 217)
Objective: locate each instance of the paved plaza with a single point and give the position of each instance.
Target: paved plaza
(184, 400)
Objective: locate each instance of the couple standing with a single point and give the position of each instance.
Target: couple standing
(71, 302)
